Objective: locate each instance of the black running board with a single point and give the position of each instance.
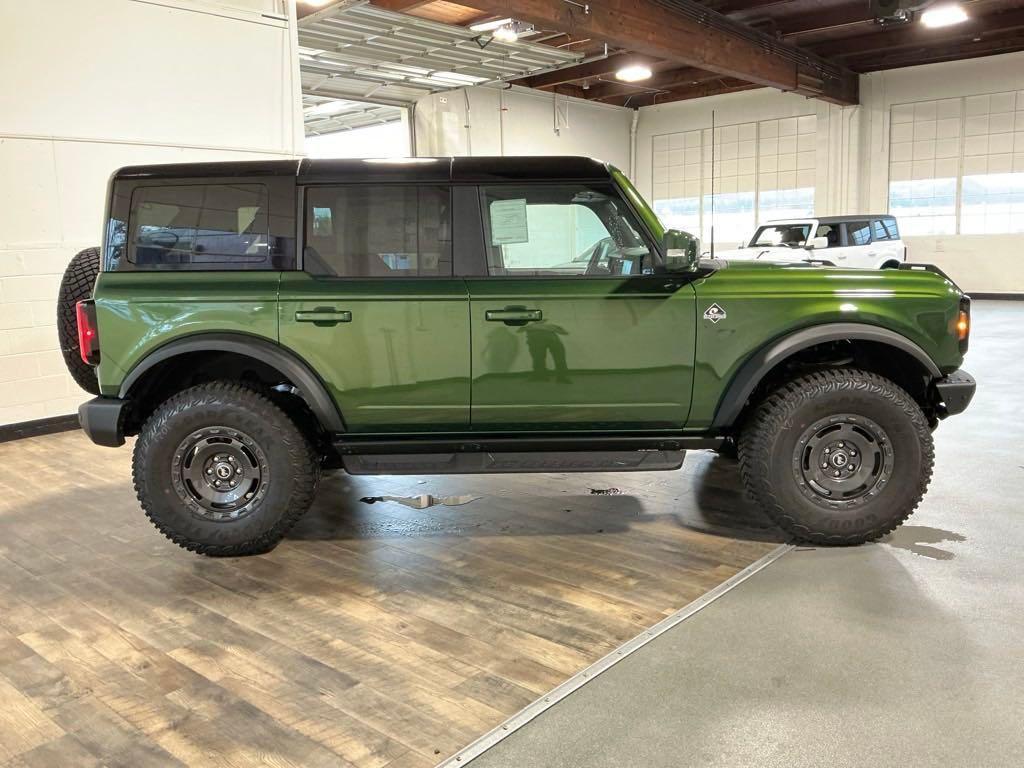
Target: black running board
(483, 462)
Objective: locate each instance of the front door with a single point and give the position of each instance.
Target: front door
(572, 328)
(376, 311)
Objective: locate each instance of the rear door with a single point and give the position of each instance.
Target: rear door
(856, 245)
(376, 309)
(885, 242)
(573, 327)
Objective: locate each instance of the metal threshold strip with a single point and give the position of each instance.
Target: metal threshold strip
(577, 681)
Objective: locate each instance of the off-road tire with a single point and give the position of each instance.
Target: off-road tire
(728, 448)
(772, 467)
(291, 464)
(76, 285)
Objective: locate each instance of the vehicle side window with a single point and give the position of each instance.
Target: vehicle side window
(378, 231)
(891, 228)
(831, 231)
(565, 229)
(880, 230)
(219, 226)
(858, 233)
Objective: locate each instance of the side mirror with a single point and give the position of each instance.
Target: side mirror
(682, 251)
(816, 243)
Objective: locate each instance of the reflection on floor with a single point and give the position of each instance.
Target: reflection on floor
(375, 635)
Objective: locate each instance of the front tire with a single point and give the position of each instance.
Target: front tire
(839, 456)
(222, 471)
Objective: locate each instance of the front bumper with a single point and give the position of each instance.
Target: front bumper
(955, 391)
(102, 419)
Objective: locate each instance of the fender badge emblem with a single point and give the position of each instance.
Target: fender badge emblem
(714, 313)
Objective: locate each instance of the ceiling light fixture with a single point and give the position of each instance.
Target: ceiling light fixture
(487, 26)
(943, 16)
(506, 34)
(633, 73)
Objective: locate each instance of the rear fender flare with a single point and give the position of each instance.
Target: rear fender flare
(767, 357)
(311, 388)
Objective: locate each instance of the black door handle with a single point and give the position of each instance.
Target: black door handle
(514, 315)
(324, 316)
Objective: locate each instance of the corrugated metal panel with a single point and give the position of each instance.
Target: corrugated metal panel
(344, 115)
(356, 51)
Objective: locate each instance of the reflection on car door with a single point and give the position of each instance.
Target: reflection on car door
(560, 342)
(376, 310)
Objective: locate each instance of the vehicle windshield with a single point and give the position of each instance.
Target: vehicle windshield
(787, 235)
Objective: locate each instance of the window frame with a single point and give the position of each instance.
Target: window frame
(847, 239)
(303, 209)
(482, 268)
(281, 253)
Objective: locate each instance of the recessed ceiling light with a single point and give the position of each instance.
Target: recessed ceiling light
(943, 16)
(633, 73)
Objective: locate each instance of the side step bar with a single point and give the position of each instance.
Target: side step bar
(482, 462)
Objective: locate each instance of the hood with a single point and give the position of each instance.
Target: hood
(763, 253)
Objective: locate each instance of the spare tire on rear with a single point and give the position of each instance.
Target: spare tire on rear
(76, 286)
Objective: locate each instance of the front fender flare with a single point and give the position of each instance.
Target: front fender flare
(765, 359)
(311, 388)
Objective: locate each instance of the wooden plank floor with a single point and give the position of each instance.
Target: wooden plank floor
(373, 636)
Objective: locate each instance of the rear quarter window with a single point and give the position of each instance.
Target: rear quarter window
(199, 226)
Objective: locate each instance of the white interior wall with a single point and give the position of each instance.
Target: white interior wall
(518, 121)
(852, 166)
(980, 263)
(92, 85)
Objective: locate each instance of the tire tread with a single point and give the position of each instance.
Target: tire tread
(305, 465)
(770, 416)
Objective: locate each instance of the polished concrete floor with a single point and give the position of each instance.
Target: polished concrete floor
(909, 652)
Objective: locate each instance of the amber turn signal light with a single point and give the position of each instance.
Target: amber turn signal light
(963, 323)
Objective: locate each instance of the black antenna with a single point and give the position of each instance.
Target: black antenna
(712, 183)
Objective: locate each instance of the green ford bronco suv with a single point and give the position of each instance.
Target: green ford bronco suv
(255, 323)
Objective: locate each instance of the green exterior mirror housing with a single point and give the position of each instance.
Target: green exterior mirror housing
(682, 251)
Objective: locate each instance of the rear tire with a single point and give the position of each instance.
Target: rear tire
(222, 471)
(76, 285)
(838, 457)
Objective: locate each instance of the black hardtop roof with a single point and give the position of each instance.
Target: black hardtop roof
(852, 217)
(459, 169)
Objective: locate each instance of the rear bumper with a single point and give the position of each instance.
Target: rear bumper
(102, 419)
(955, 392)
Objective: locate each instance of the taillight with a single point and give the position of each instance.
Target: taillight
(88, 333)
(963, 323)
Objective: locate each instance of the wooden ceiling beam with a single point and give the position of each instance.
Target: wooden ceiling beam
(916, 35)
(663, 81)
(699, 91)
(591, 70)
(688, 33)
(909, 57)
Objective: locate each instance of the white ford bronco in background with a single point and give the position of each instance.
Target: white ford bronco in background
(865, 242)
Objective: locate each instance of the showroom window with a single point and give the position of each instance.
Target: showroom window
(553, 230)
(219, 226)
(378, 231)
(760, 171)
(957, 165)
